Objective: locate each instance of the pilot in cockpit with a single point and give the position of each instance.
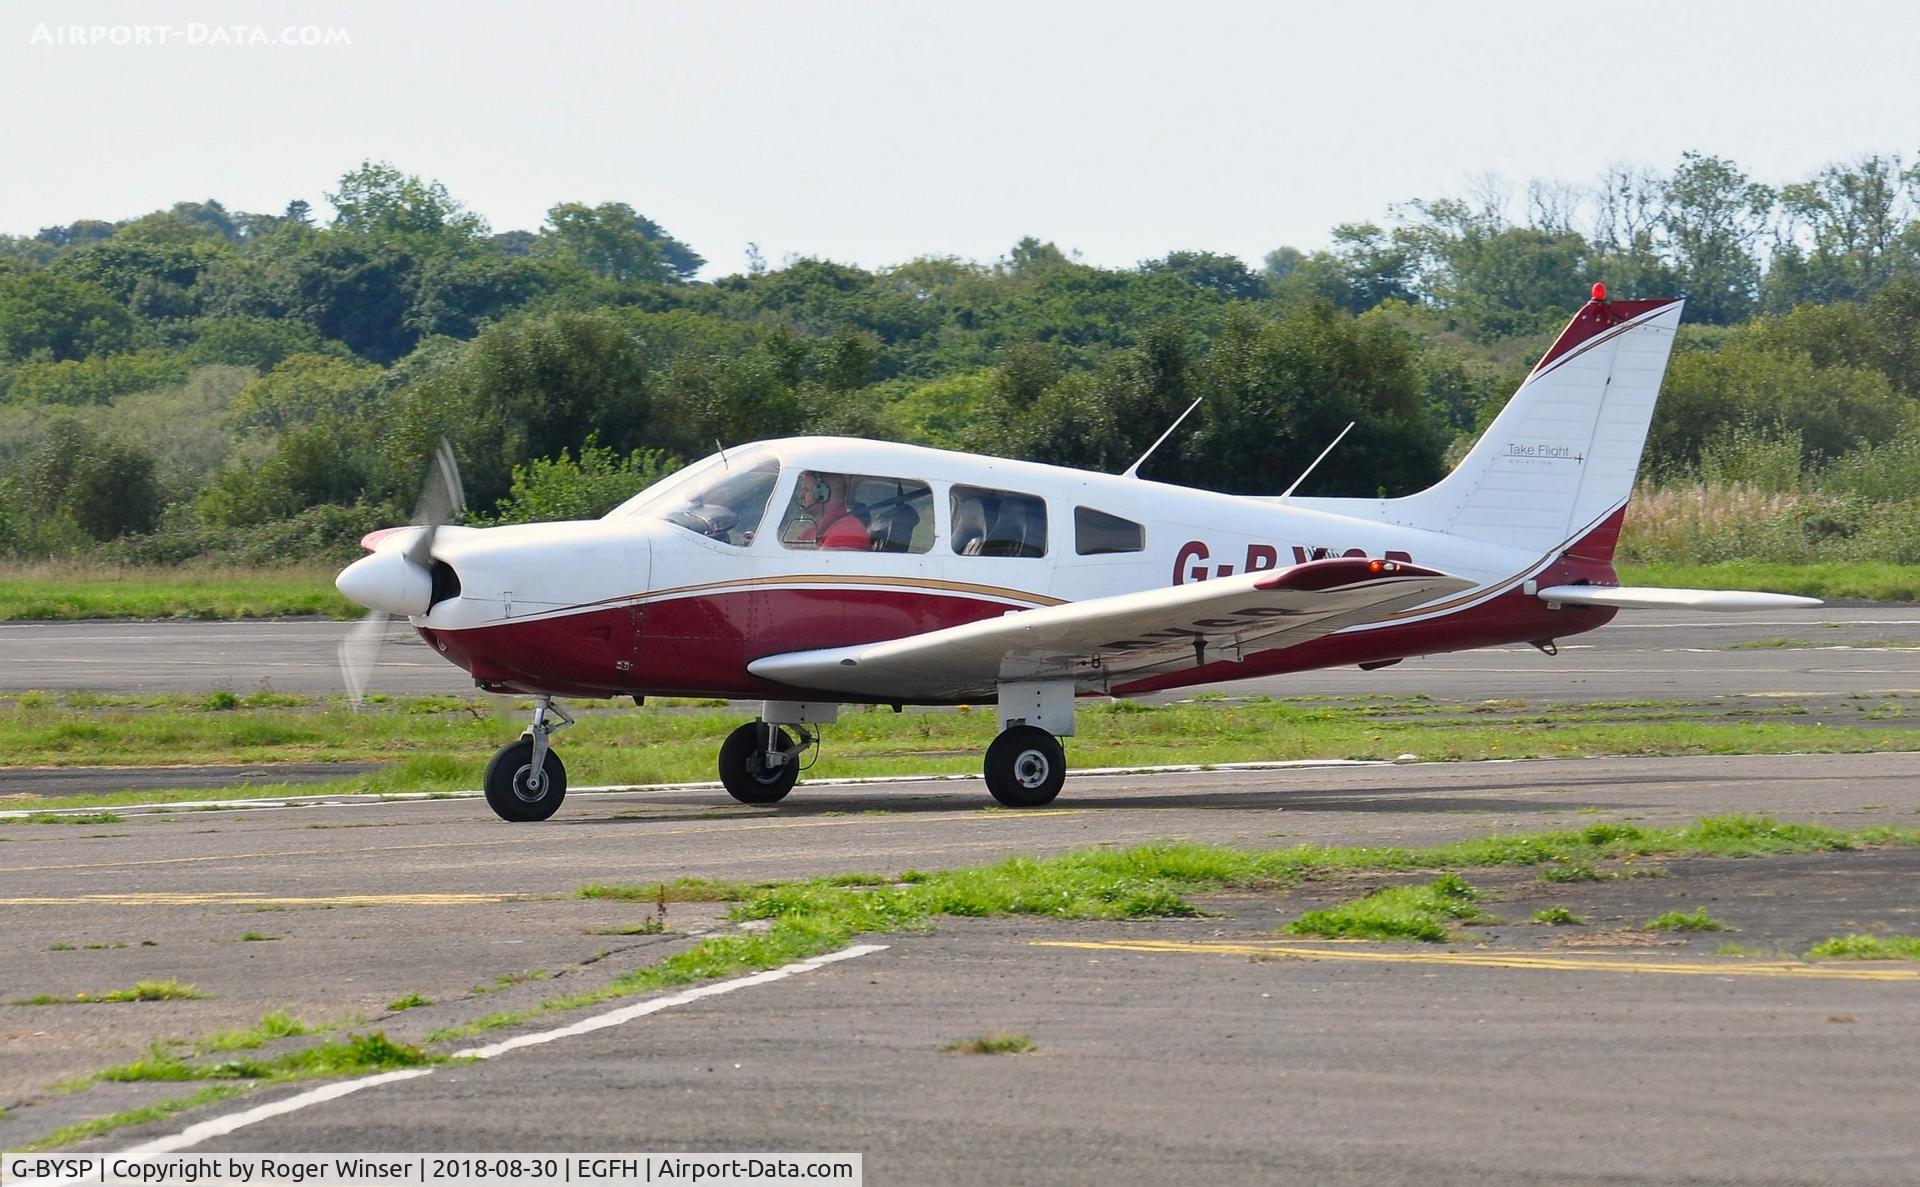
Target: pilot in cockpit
(835, 523)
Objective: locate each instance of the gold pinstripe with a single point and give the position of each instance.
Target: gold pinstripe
(816, 580)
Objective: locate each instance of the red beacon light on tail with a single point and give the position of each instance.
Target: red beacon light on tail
(1599, 291)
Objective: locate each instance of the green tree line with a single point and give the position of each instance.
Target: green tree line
(201, 381)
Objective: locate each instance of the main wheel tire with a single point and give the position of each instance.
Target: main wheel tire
(743, 766)
(1025, 766)
(508, 781)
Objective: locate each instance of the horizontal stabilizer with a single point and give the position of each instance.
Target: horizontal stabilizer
(1647, 597)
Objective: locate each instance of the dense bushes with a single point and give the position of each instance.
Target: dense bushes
(199, 381)
(586, 487)
(80, 484)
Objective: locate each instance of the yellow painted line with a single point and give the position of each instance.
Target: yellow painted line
(1488, 960)
(218, 898)
(522, 841)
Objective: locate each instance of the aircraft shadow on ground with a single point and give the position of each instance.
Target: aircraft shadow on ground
(1368, 799)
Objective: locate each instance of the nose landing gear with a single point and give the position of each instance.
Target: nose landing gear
(526, 781)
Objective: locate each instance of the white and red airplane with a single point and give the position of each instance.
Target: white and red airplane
(816, 571)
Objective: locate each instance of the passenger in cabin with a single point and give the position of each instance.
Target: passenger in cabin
(834, 522)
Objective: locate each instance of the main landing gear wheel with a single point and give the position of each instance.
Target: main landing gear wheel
(1025, 767)
(744, 767)
(513, 791)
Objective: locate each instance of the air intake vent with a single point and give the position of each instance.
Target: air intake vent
(446, 583)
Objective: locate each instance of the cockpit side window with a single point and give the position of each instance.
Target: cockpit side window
(724, 503)
(1095, 533)
(858, 513)
(989, 522)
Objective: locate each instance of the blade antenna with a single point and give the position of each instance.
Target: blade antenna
(1288, 493)
(1133, 471)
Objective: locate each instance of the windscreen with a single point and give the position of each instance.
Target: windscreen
(722, 498)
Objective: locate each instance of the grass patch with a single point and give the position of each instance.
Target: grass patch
(65, 818)
(254, 937)
(1684, 921)
(412, 1001)
(1000, 1044)
(1858, 947)
(167, 1062)
(158, 1111)
(1397, 913)
(806, 918)
(275, 1025)
(50, 593)
(154, 991)
(1570, 871)
(140, 991)
(1557, 915)
(680, 890)
(1871, 581)
(352, 1056)
(1775, 644)
(440, 744)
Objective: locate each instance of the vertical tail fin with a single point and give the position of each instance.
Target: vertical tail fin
(1562, 455)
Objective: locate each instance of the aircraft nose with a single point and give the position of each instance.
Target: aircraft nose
(387, 580)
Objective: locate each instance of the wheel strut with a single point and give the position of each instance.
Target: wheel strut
(776, 755)
(540, 731)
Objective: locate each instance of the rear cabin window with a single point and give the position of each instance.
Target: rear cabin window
(1095, 533)
(998, 523)
(832, 510)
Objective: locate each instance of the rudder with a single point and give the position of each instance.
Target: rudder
(1563, 454)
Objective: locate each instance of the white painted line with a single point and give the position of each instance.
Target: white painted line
(374, 798)
(193, 1135)
(654, 1006)
(625, 789)
(216, 1127)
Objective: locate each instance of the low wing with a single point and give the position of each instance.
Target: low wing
(1103, 641)
(1647, 597)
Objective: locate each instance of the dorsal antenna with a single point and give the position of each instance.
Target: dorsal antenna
(724, 464)
(1133, 471)
(1288, 493)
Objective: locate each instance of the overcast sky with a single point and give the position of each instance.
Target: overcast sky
(876, 132)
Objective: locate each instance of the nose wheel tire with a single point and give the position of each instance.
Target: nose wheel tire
(744, 769)
(512, 791)
(1025, 766)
